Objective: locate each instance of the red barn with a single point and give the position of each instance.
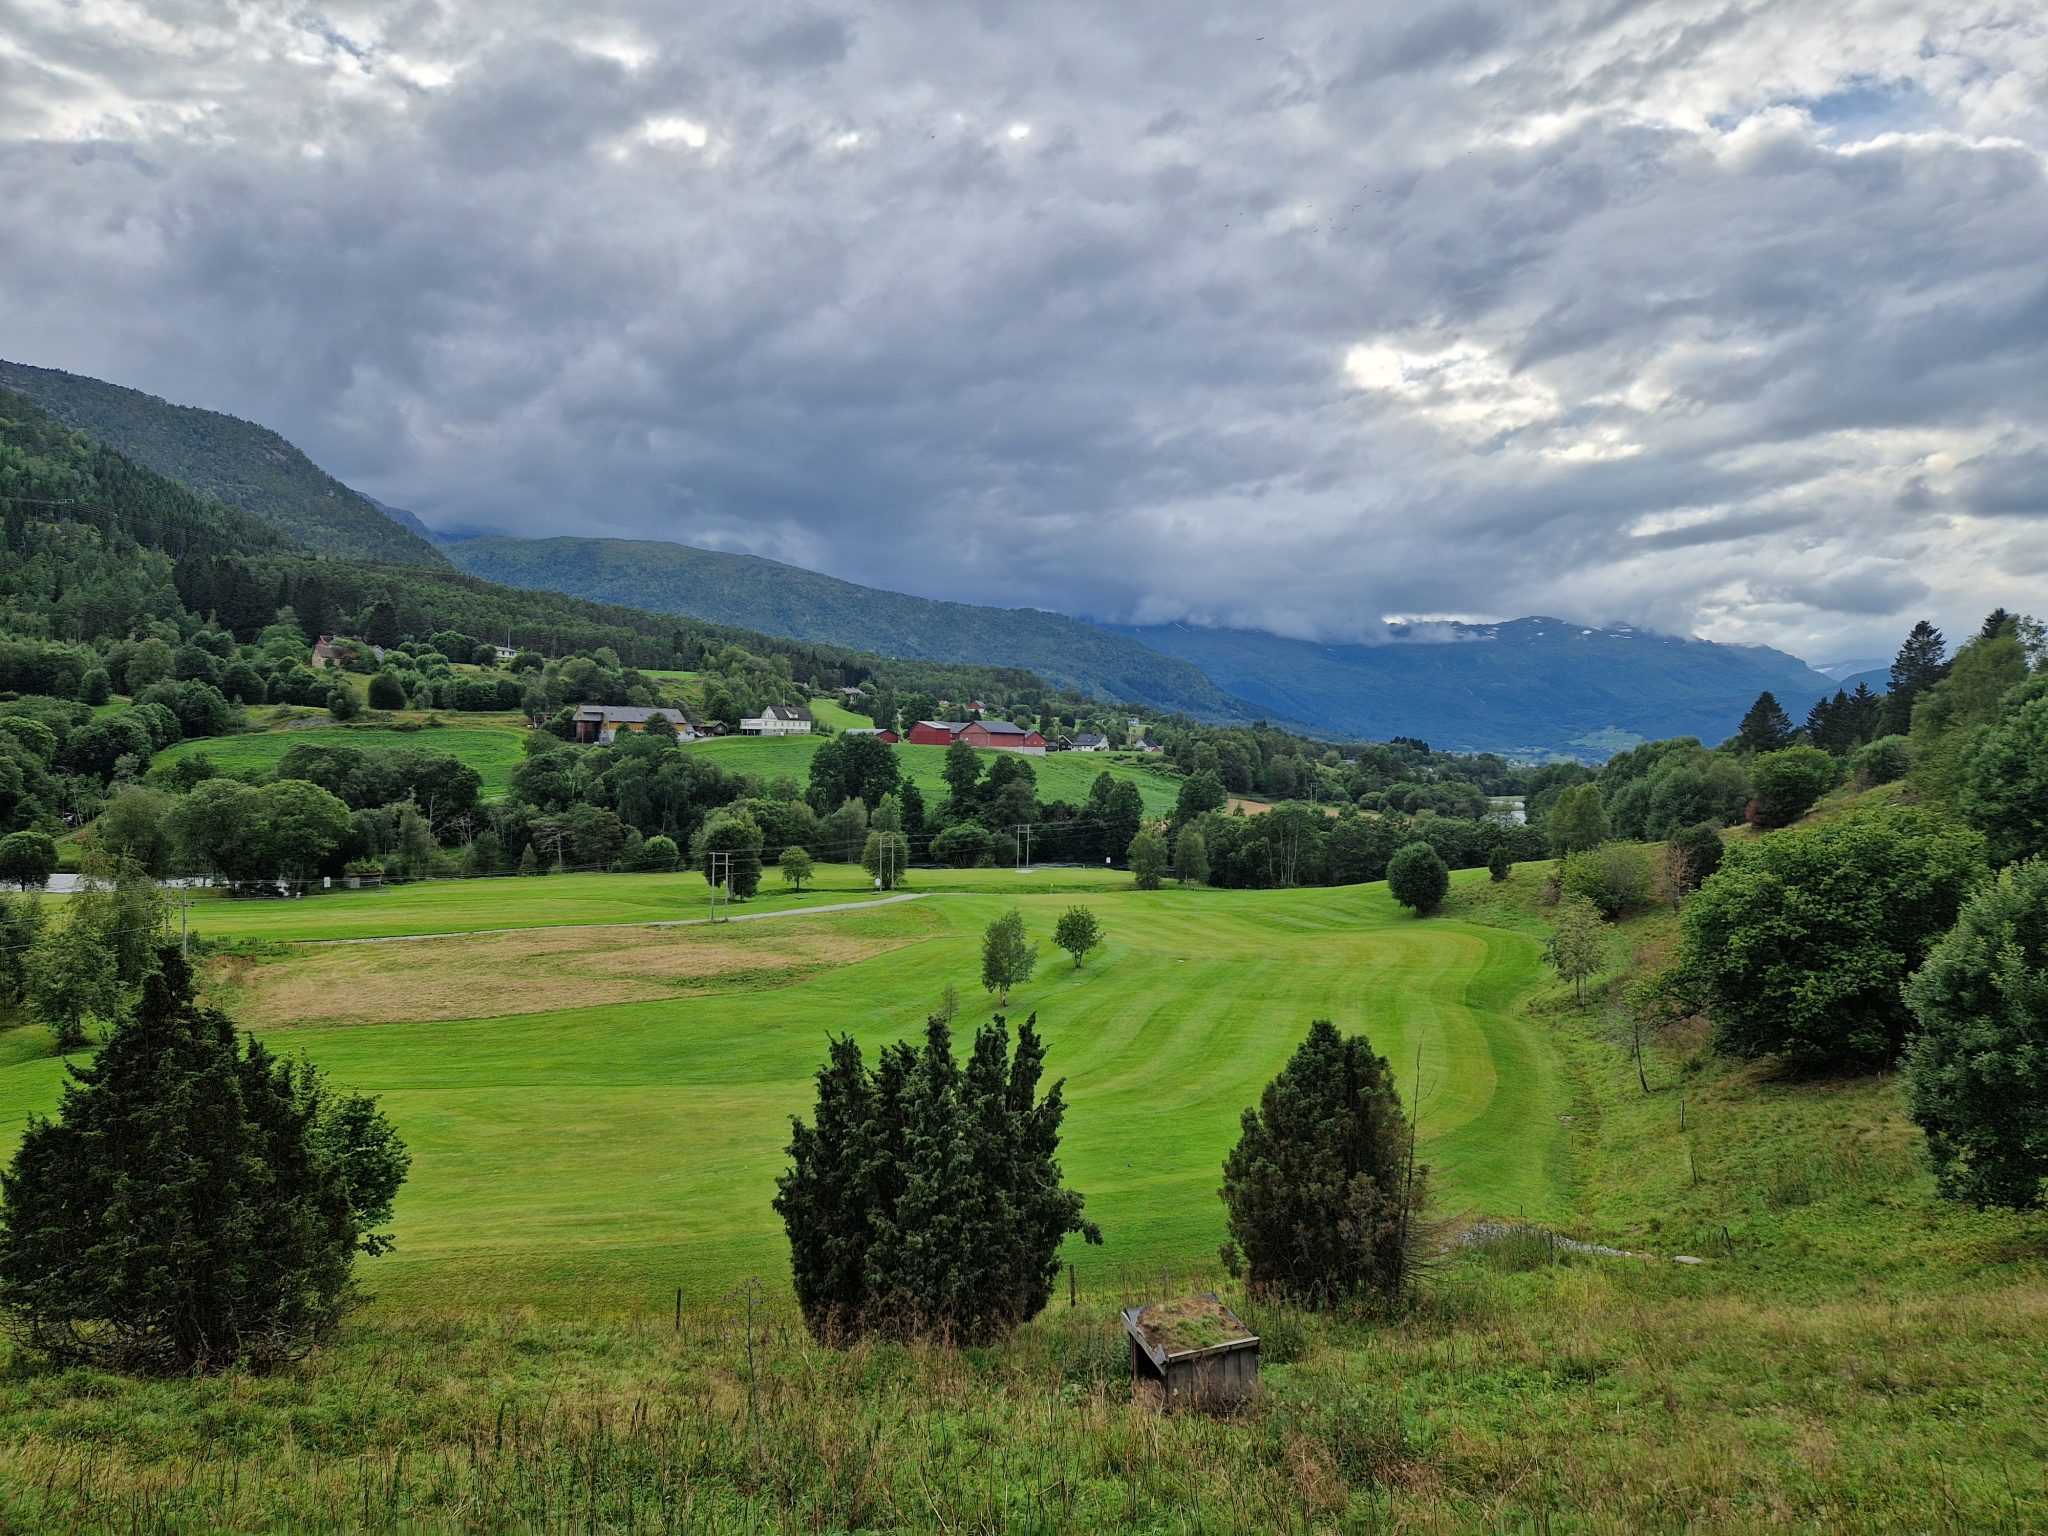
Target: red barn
(991, 735)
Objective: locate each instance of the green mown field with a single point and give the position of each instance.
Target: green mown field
(572, 1155)
(493, 751)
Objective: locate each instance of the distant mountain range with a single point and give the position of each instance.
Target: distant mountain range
(749, 592)
(1532, 686)
(249, 467)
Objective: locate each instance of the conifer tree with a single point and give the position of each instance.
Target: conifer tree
(924, 1199)
(1321, 1188)
(1766, 728)
(1920, 664)
(191, 1207)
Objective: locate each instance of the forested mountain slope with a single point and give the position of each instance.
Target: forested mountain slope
(1534, 684)
(232, 460)
(784, 599)
(96, 545)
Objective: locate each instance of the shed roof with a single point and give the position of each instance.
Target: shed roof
(1180, 1330)
(1003, 728)
(632, 713)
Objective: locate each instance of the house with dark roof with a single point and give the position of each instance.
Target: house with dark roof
(778, 720)
(879, 732)
(600, 724)
(1091, 741)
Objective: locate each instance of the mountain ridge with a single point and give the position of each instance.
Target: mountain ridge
(239, 462)
(722, 587)
(1530, 685)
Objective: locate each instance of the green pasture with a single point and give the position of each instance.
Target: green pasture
(1061, 775)
(600, 1156)
(494, 751)
(831, 713)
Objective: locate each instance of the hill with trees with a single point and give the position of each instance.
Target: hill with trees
(754, 593)
(233, 461)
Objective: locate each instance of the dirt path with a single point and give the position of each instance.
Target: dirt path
(671, 922)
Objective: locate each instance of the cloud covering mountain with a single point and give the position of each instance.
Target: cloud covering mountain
(1726, 318)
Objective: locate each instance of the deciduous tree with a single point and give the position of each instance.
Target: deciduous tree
(1077, 932)
(1007, 956)
(1417, 878)
(1799, 946)
(1977, 1072)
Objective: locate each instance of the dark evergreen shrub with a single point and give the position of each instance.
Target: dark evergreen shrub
(196, 1204)
(1321, 1189)
(924, 1199)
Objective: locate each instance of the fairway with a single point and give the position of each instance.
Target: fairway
(615, 1128)
(492, 751)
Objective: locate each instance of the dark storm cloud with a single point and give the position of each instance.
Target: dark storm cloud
(1694, 315)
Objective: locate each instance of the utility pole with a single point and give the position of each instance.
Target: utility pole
(184, 924)
(720, 875)
(1023, 831)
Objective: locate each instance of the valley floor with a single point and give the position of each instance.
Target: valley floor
(1853, 1355)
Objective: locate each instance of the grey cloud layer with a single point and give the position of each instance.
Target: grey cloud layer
(1708, 316)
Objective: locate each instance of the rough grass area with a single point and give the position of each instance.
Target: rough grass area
(536, 971)
(493, 751)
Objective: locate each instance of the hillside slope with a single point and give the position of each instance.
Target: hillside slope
(1534, 684)
(231, 460)
(753, 593)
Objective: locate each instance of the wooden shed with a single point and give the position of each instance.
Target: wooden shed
(1193, 1353)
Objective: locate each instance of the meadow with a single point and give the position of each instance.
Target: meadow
(493, 750)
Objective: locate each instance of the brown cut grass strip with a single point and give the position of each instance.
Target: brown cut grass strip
(474, 976)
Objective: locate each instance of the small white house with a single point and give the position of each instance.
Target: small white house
(1091, 741)
(504, 652)
(778, 720)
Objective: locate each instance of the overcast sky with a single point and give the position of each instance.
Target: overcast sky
(1722, 318)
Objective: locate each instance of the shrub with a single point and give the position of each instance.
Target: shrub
(964, 845)
(925, 1198)
(1883, 761)
(95, 687)
(660, 852)
(1787, 783)
(1321, 1189)
(1615, 877)
(1798, 947)
(195, 1205)
(1696, 853)
(1977, 1074)
(1498, 865)
(387, 691)
(1417, 878)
